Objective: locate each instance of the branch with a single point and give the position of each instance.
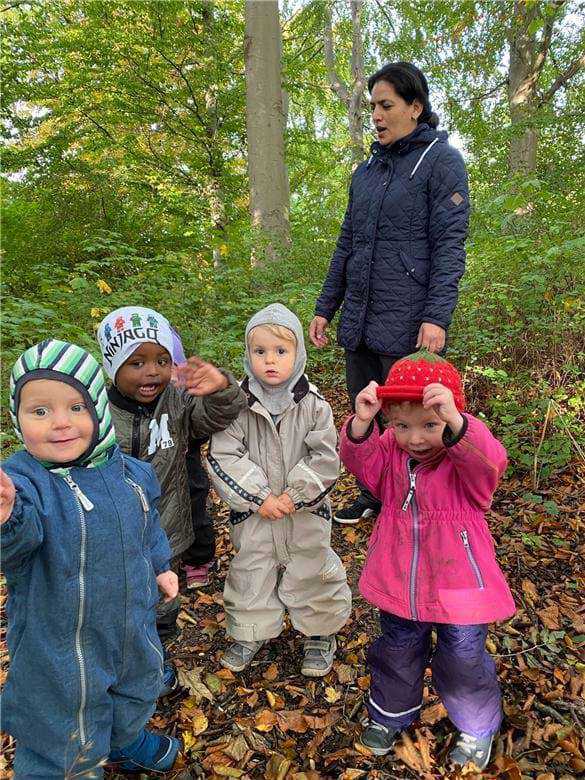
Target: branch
(387, 16)
(561, 80)
(104, 130)
(337, 84)
(490, 92)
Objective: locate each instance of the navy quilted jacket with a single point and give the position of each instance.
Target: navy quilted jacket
(401, 250)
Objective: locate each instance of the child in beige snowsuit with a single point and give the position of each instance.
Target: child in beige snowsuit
(274, 466)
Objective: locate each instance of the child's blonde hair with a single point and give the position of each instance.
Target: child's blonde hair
(276, 330)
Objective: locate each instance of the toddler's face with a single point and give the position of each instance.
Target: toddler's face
(55, 422)
(272, 358)
(145, 374)
(417, 430)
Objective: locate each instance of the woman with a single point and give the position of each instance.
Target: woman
(401, 249)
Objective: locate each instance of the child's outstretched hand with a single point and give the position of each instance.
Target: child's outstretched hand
(273, 507)
(168, 584)
(438, 397)
(7, 496)
(367, 407)
(199, 377)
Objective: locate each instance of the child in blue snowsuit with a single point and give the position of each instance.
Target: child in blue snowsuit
(84, 557)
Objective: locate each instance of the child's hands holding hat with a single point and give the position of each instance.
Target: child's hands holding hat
(199, 377)
(438, 397)
(7, 496)
(168, 584)
(367, 406)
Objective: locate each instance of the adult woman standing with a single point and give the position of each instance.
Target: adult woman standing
(401, 249)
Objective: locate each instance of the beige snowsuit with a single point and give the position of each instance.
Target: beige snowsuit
(285, 563)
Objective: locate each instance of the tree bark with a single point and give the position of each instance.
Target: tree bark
(352, 99)
(265, 122)
(528, 55)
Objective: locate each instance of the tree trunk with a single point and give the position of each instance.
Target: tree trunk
(265, 122)
(353, 99)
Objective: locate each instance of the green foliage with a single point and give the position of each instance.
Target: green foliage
(126, 182)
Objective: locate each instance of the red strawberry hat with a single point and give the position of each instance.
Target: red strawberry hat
(409, 376)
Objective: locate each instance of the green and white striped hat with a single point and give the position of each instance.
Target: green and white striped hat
(65, 362)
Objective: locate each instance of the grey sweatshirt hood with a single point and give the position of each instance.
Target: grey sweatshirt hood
(276, 399)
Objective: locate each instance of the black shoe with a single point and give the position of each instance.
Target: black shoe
(354, 513)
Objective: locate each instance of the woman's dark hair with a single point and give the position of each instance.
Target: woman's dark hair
(410, 83)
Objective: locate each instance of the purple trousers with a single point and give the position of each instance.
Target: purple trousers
(464, 675)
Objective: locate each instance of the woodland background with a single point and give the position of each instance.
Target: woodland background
(195, 157)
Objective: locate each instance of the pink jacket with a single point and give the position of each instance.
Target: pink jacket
(431, 556)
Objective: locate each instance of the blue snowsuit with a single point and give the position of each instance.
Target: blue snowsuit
(81, 554)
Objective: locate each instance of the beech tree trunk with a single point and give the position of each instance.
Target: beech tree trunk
(266, 122)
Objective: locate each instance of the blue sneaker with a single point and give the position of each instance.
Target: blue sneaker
(148, 751)
(169, 679)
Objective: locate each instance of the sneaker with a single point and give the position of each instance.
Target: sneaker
(149, 751)
(468, 748)
(377, 738)
(197, 576)
(319, 654)
(355, 512)
(238, 656)
(170, 680)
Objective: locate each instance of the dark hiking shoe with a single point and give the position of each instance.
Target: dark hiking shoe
(377, 738)
(355, 512)
(471, 749)
(170, 680)
(149, 751)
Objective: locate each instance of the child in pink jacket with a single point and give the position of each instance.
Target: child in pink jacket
(431, 560)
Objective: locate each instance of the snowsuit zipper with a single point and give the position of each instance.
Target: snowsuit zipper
(82, 503)
(145, 509)
(136, 436)
(471, 558)
(411, 500)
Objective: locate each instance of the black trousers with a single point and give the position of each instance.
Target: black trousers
(203, 548)
(361, 367)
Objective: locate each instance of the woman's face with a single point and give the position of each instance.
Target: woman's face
(392, 116)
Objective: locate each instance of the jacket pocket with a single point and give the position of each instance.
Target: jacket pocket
(471, 558)
(419, 270)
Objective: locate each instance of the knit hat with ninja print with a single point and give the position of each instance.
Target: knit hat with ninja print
(123, 330)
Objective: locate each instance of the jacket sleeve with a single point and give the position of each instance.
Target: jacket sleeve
(367, 458)
(211, 413)
(479, 458)
(448, 223)
(22, 534)
(237, 479)
(333, 290)
(311, 479)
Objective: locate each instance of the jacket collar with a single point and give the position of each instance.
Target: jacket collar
(116, 398)
(299, 391)
(422, 135)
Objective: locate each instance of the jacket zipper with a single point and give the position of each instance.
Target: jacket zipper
(145, 509)
(136, 436)
(82, 502)
(411, 499)
(471, 558)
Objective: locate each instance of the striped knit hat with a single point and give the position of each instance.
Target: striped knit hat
(65, 362)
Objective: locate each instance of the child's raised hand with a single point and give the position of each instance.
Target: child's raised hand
(168, 584)
(199, 377)
(7, 496)
(438, 397)
(367, 404)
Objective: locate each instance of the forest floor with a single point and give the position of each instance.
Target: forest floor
(271, 722)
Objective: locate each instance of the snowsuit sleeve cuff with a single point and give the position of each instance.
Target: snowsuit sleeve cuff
(450, 439)
(12, 527)
(358, 439)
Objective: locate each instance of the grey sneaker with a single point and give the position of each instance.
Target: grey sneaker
(377, 738)
(468, 748)
(319, 653)
(239, 655)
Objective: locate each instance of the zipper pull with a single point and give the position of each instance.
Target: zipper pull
(140, 493)
(82, 498)
(464, 538)
(410, 495)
